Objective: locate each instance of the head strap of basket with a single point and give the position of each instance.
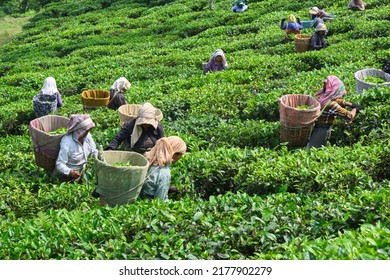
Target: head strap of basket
(121, 85)
(291, 18)
(49, 86)
(220, 53)
(162, 153)
(321, 27)
(80, 124)
(314, 10)
(333, 88)
(147, 114)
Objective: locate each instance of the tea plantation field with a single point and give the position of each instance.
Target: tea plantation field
(243, 193)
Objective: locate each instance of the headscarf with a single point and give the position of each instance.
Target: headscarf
(162, 153)
(79, 125)
(147, 114)
(49, 86)
(321, 27)
(219, 52)
(314, 11)
(333, 88)
(291, 18)
(120, 85)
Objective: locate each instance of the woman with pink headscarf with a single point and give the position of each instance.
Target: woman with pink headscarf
(75, 147)
(167, 150)
(332, 105)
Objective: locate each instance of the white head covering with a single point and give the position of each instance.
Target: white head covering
(49, 86)
(314, 10)
(120, 85)
(219, 52)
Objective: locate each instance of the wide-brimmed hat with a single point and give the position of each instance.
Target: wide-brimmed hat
(321, 27)
(314, 10)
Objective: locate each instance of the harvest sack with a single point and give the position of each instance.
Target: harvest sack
(44, 104)
(45, 145)
(296, 124)
(119, 185)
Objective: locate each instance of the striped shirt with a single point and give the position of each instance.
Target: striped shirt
(333, 109)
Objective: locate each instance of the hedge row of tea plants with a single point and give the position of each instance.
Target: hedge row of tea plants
(243, 193)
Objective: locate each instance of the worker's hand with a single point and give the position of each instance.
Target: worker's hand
(74, 174)
(357, 107)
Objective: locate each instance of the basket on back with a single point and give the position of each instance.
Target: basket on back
(296, 124)
(44, 104)
(46, 146)
(130, 111)
(361, 84)
(93, 99)
(302, 42)
(120, 184)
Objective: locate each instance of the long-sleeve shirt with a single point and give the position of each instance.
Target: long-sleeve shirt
(116, 100)
(157, 182)
(73, 155)
(146, 141)
(291, 25)
(332, 110)
(317, 42)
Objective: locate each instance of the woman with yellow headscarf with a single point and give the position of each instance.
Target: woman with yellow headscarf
(167, 150)
(293, 26)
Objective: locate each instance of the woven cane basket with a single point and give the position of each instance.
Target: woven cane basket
(130, 111)
(46, 146)
(296, 124)
(302, 42)
(119, 185)
(92, 99)
(363, 85)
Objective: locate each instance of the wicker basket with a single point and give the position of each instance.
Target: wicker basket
(296, 124)
(93, 99)
(44, 104)
(130, 111)
(295, 136)
(119, 185)
(362, 85)
(302, 42)
(46, 146)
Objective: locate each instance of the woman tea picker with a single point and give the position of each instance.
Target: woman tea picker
(140, 133)
(217, 62)
(75, 147)
(167, 150)
(50, 88)
(332, 105)
(292, 27)
(117, 93)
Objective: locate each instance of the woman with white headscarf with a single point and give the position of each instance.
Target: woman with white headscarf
(217, 62)
(75, 147)
(50, 88)
(142, 132)
(117, 93)
(167, 150)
